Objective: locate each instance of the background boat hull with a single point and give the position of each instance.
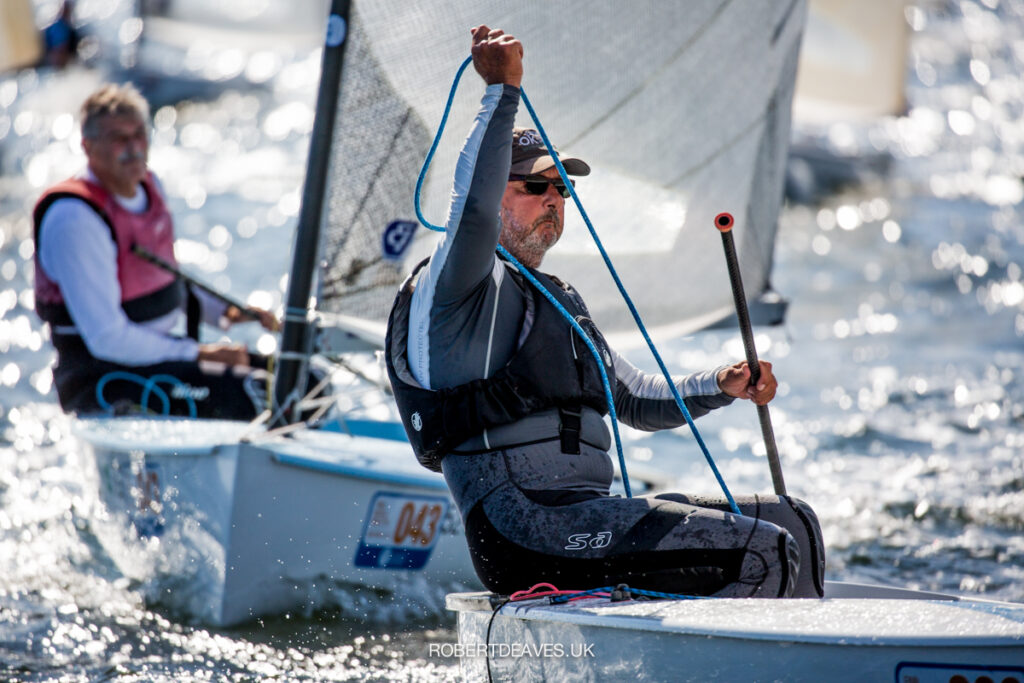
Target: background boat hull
(255, 530)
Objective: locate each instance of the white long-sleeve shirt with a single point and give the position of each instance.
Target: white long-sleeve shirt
(77, 252)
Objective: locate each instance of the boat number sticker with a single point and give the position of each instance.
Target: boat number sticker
(400, 531)
(396, 239)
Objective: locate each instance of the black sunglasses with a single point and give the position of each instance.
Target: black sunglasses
(538, 184)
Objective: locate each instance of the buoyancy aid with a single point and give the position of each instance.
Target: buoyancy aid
(552, 368)
(147, 291)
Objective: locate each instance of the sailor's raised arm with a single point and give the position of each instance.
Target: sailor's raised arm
(465, 257)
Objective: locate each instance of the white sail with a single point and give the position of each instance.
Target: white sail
(20, 42)
(853, 61)
(681, 109)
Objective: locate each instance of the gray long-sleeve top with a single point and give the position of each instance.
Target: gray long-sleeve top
(467, 314)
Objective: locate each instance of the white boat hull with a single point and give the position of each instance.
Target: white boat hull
(855, 634)
(248, 529)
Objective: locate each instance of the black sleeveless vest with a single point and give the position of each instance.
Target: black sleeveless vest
(546, 371)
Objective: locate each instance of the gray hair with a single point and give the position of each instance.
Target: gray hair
(111, 100)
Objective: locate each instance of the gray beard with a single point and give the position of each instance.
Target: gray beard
(523, 243)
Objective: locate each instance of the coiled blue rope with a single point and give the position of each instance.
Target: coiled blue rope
(150, 385)
(611, 269)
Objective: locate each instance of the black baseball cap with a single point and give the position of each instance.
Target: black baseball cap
(530, 155)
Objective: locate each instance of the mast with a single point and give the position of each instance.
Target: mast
(296, 338)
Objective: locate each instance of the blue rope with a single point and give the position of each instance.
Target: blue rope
(543, 290)
(593, 350)
(558, 599)
(433, 146)
(533, 280)
(629, 303)
(611, 269)
(149, 386)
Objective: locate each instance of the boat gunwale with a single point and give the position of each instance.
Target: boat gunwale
(359, 472)
(91, 429)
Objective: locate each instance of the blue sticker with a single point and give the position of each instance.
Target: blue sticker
(396, 238)
(336, 30)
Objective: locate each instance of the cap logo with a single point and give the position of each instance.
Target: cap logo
(529, 138)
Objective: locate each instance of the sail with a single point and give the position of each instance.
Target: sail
(20, 42)
(852, 63)
(681, 109)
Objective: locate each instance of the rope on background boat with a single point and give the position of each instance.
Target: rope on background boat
(611, 269)
(149, 386)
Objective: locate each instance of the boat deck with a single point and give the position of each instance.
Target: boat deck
(928, 619)
(855, 634)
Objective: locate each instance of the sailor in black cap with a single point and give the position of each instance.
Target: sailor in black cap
(498, 392)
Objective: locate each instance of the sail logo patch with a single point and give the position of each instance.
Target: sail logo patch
(417, 422)
(396, 239)
(336, 30)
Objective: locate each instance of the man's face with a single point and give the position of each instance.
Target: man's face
(118, 153)
(531, 223)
